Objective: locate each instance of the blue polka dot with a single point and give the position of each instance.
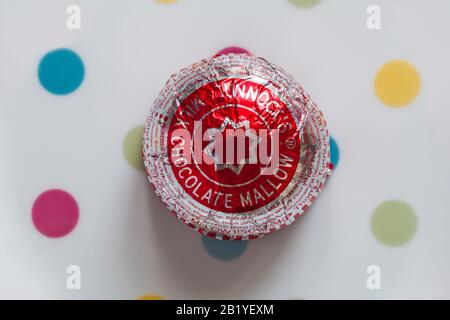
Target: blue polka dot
(224, 249)
(61, 71)
(334, 152)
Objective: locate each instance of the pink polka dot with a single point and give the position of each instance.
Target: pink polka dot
(228, 50)
(55, 213)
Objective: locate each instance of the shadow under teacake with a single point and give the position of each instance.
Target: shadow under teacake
(201, 274)
(165, 257)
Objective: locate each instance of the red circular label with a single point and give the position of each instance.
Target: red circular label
(233, 145)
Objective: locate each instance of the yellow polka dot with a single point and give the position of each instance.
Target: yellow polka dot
(166, 1)
(150, 297)
(397, 83)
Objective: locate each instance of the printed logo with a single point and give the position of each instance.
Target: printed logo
(73, 281)
(373, 21)
(373, 281)
(73, 21)
(233, 145)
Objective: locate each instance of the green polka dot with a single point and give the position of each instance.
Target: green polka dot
(394, 223)
(304, 3)
(132, 147)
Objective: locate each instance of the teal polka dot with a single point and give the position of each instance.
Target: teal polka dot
(61, 71)
(334, 152)
(225, 250)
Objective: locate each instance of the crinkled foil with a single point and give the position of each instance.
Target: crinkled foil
(212, 91)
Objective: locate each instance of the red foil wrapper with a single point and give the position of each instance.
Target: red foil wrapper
(235, 148)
